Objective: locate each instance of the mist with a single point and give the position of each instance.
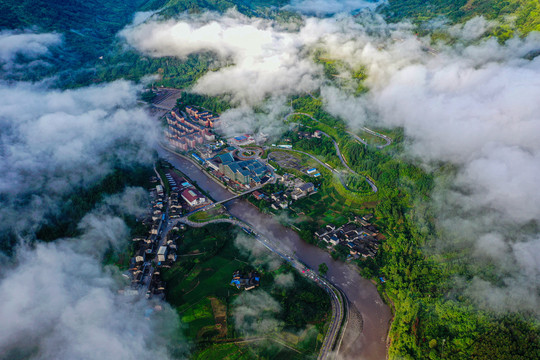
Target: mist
(59, 302)
(322, 7)
(58, 299)
(472, 102)
(28, 44)
(54, 141)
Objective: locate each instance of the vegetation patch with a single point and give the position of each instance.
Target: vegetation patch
(200, 290)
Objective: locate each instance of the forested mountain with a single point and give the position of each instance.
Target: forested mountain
(523, 14)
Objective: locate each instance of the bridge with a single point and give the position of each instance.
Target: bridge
(337, 299)
(237, 196)
(210, 206)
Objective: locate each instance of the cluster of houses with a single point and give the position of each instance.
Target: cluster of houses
(184, 134)
(296, 189)
(309, 135)
(147, 250)
(183, 195)
(244, 173)
(246, 281)
(361, 237)
(203, 118)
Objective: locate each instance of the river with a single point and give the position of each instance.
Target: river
(365, 336)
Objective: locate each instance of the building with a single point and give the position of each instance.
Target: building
(302, 190)
(162, 253)
(203, 118)
(246, 282)
(193, 197)
(241, 140)
(245, 172)
(183, 134)
(258, 195)
(307, 187)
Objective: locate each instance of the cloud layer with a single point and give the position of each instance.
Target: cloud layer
(264, 59)
(28, 44)
(473, 103)
(53, 141)
(328, 7)
(58, 302)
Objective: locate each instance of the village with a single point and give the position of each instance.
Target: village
(158, 249)
(236, 166)
(360, 237)
(237, 163)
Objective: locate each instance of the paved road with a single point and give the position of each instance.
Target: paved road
(337, 301)
(341, 158)
(358, 138)
(384, 137)
(338, 312)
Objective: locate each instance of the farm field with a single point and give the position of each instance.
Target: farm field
(198, 286)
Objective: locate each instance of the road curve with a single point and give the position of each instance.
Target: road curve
(337, 300)
(320, 162)
(358, 138)
(341, 158)
(384, 137)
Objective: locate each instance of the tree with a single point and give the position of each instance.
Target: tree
(323, 269)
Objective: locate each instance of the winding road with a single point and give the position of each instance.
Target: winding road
(358, 138)
(338, 151)
(337, 300)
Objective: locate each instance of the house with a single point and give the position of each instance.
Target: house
(258, 195)
(307, 187)
(162, 253)
(297, 194)
(321, 232)
(193, 197)
(140, 256)
(246, 282)
(333, 240)
(276, 196)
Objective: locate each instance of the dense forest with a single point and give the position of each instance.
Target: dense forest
(512, 15)
(430, 322)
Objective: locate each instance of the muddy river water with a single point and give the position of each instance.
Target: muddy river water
(365, 336)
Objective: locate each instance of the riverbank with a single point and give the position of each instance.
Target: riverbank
(363, 295)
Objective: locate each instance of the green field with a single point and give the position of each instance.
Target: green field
(217, 212)
(198, 287)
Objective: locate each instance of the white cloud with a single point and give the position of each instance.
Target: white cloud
(58, 302)
(264, 59)
(328, 7)
(473, 105)
(29, 44)
(53, 141)
(255, 313)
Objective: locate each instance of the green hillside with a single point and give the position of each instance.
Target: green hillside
(523, 14)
